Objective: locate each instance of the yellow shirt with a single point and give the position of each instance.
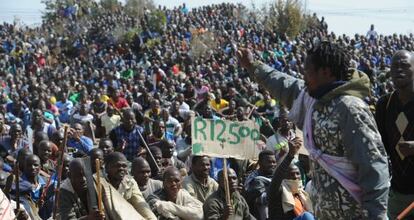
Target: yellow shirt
(105, 98)
(219, 106)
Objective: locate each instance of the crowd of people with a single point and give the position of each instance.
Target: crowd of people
(66, 104)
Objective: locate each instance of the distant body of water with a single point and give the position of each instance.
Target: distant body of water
(349, 17)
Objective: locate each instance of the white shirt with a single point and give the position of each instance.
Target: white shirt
(110, 122)
(172, 124)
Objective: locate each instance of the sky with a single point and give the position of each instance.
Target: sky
(349, 17)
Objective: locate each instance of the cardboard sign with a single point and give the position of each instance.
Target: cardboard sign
(225, 139)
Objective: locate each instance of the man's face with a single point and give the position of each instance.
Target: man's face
(37, 117)
(165, 115)
(65, 168)
(168, 150)
(16, 132)
(159, 129)
(32, 166)
(233, 182)
(106, 147)
(158, 157)
(172, 183)
(218, 96)
(293, 173)
(78, 128)
(313, 77)
(142, 175)
(268, 165)
(285, 124)
(240, 113)
(129, 120)
(45, 151)
(208, 113)
(155, 106)
(97, 154)
(180, 98)
(202, 167)
(117, 170)
(402, 70)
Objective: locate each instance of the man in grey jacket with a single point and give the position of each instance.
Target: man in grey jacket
(349, 163)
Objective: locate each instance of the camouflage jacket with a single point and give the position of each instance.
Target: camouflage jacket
(343, 126)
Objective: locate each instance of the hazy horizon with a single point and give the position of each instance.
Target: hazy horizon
(350, 17)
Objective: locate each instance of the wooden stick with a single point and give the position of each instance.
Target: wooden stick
(251, 112)
(406, 211)
(45, 189)
(62, 149)
(17, 173)
(98, 182)
(92, 132)
(148, 150)
(226, 182)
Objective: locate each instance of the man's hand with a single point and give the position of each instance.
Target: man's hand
(228, 211)
(72, 133)
(10, 159)
(96, 215)
(163, 208)
(294, 146)
(407, 148)
(21, 214)
(246, 58)
(123, 145)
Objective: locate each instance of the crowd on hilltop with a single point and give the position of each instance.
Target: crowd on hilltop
(116, 97)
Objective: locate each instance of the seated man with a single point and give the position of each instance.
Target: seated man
(156, 173)
(141, 172)
(172, 202)
(215, 207)
(74, 195)
(106, 145)
(257, 183)
(199, 184)
(44, 152)
(10, 145)
(97, 153)
(286, 197)
(65, 169)
(116, 167)
(126, 137)
(168, 149)
(74, 198)
(78, 141)
(32, 186)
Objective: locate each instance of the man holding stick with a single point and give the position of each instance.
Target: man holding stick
(216, 207)
(74, 201)
(116, 167)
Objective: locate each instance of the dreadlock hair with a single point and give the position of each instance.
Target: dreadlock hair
(330, 55)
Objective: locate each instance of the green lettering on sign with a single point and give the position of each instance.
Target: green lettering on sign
(234, 133)
(244, 132)
(223, 128)
(197, 148)
(197, 130)
(255, 135)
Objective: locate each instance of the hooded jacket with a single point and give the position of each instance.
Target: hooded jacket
(343, 126)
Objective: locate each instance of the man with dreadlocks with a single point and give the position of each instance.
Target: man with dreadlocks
(349, 163)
